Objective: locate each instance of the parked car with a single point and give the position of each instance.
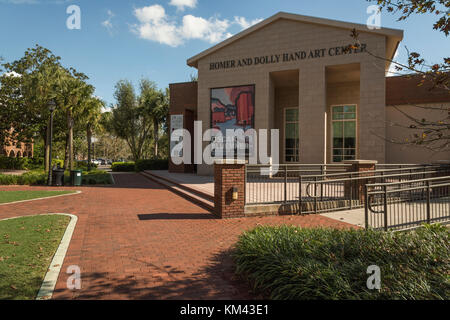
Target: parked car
(103, 162)
(95, 161)
(109, 162)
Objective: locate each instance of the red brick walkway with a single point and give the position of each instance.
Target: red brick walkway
(137, 240)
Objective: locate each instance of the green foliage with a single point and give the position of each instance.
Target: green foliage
(29, 178)
(13, 163)
(140, 165)
(138, 119)
(152, 164)
(82, 165)
(26, 163)
(96, 177)
(30, 83)
(123, 167)
(25, 92)
(39, 177)
(294, 263)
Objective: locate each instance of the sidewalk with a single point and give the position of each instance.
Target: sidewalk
(137, 240)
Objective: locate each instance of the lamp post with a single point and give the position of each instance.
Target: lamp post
(51, 107)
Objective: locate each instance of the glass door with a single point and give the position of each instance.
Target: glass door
(344, 132)
(291, 135)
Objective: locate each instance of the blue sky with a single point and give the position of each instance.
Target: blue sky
(131, 39)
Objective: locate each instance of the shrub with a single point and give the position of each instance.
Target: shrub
(13, 163)
(295, 263)
(26, 163)
(6, 179)
(39, 177)
(96, 177)
(152, 164)
(82, 165)
(28, 178)
(123, 167)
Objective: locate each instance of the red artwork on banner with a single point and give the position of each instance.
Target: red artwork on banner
(233, 108)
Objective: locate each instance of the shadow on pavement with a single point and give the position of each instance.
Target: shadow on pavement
(177, 216)
(214, 281)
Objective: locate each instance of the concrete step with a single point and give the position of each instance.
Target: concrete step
(200, 193)
(204, 202)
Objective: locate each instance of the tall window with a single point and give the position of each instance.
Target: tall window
(291, 135)
(344, 133)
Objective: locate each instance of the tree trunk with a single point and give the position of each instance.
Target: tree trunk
(156, 135)
(70, 137)
(66, 152)
(89, 141)
(47, 149)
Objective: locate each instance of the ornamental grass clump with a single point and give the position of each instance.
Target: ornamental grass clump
(294, 263)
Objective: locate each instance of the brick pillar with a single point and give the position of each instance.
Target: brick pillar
(355, 189)
(229, 174)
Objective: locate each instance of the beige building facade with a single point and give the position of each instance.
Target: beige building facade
(327, 100)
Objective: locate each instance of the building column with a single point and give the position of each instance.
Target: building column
(312, 110)
(372, 111)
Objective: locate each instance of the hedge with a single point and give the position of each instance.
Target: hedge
(28, 178)
(140, 165)
(123, 167)
(26, 163)
(39, 177)
(152, 164)
(82, 165)
(291, 263)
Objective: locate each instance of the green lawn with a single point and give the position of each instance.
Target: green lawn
(27, 246)
(11, 196)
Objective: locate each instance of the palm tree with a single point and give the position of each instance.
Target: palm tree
(156, 103)
(93, 114)
(72, 96)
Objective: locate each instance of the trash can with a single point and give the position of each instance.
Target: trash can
(58, 177)
(76, 177)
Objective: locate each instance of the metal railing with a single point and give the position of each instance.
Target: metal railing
(265, 185)
(399, 165)
(407, 204)
(302, 184)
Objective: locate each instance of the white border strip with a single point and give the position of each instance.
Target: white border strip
(60, 195)
(49, 283)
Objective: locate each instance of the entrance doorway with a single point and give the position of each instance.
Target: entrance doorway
(291, 135)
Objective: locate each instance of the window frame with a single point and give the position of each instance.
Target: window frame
(355, 120)
(284, 133)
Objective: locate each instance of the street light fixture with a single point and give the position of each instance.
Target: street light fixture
(51, 106)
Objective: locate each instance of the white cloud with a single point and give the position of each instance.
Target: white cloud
(181, 4)
(152, 14)
(244, 23)
(155, 25)
(108, 22)
(211, 30)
